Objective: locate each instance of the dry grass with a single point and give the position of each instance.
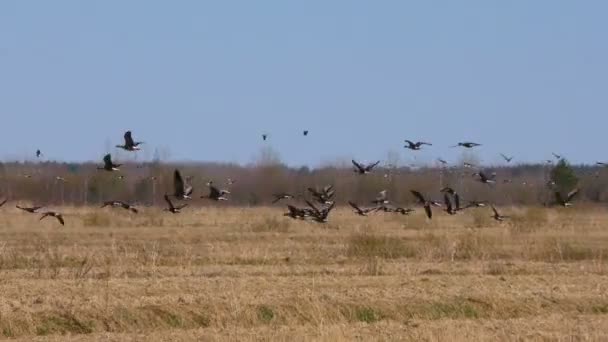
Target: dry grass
(251, 274)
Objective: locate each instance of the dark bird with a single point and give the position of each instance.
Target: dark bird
(296, 213)
(442, 161)
(322, 214)
(601, 164)
(323, 196)
(130, 145)
(416, 146)
(484, 178)
(305, 133)
(3, 202)
(120, 204)
(362, 211)
(448, 204)
(557, 156)
(447, 190)
(565, 203)
(31, 210)
(426, 204)
(180, 190)
(108, 165)
(264, 136)
(173, 209)
(38, 153)
(466, 144)
(364, 169)
(215, 193)
(56, 215)
(497, 215)
(382, 198)
(281, 196)
(507, 159)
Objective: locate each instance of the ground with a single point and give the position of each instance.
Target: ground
(250, 274)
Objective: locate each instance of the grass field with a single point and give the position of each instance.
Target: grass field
(251, 274)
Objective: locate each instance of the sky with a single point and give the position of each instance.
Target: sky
(202, 80)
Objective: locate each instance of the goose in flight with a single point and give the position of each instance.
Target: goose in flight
(426, 204)
(215, 193)
(264, 136)
(281, 196)
(362, 211)
(448, 204)
(324, 196)
(120, 204)
(416, 146)
(38, 153)
(54, 214)
(507, 159)
(557, 156)
(305, 132)
(173, 209)
(130, 144)
(565, 202)
(364, 169)
(31, 210)
(466, 144)
(442, 161)
(320, 215)
(108, 165)
(484, 178)
(180, 190)
(497, 216)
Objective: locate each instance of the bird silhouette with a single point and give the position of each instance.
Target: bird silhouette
(364, 169)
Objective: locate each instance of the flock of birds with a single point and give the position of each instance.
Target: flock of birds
(321, 201)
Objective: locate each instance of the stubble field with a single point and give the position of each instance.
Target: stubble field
(246, 274)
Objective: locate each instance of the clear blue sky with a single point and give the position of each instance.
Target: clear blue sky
(204, 79)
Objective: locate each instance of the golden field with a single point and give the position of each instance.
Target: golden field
(249, 274)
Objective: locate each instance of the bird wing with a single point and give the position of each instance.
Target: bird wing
(358, 166)
(572, 193)
(169, 202)
(371, 166)
(214, 192)
(411, 143)
(107, 160)
(3, 202)
(448, 203)
(495, 211)
(60, 219)
(457, 201)
(558, 198)
(355, 206)
(44, 215)
(178, 183)
(129, 139)
(418, 196)
(312, 206)
(429, 212)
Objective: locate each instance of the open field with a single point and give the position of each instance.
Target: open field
(251, 274)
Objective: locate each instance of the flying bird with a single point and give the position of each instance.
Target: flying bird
(497, 216)
(322, 214)
(38, 153)
(442, 161)
(130, 144)
(484, 178)
(507, 159)
(565, 202)
(364, 169)
(362, 211)
(215, 193)
(416, 146)
(448, 203)
(281, 196)
(426, 204)
(120, 204)
(180, 190)
(173, 209)
(56, 215)
(557, 156)
(31, 210)
(108, 165)
(466, 144)
(264, 136)
(381, 198)
(305, 132)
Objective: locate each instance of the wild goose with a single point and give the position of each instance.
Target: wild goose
(565, 203)
(281, 196)
(305, 132)
(449, 191)
(173, 209)
(180, 190)
(448, 205)
(264, 136)
(130, 145)
(442, 161)
(322, 215)
(415, 146)
(324, 196)
(497, 216)
(31, 210)
(426, 204)
(364, 169)
(484, 178)
(38, 153)
(466, 144)
(216, 194)
(601, 163)
(362, 211)
(557, 156)
(56, 215)
(120, 204)
(507, 159)
(108, 165)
